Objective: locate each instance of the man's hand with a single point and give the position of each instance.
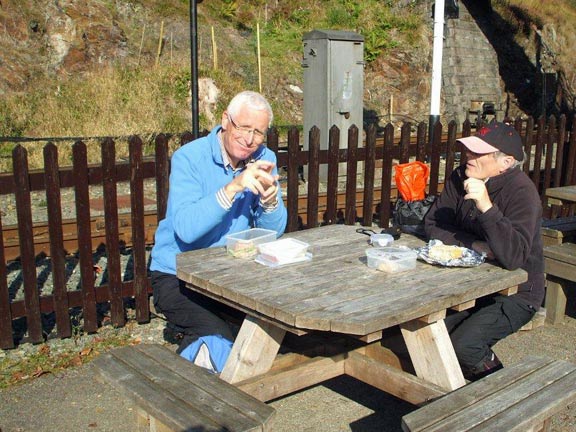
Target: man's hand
(482, 247)
(258, 179)
(476, 190)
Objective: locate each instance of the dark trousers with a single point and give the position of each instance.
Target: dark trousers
(195, 314)
(473, 332)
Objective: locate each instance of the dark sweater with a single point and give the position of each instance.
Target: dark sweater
(511, 227)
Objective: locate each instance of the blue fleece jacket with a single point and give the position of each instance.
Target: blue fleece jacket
(194, 218)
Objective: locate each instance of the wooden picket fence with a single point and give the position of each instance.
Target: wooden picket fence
(549, 145)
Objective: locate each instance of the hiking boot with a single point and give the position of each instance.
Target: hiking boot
(173, 333)
(185, 341)
(484, 368)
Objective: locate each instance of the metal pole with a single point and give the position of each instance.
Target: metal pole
(436, 67)
(194, 66)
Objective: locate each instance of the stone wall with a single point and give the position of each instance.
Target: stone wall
(470, 71)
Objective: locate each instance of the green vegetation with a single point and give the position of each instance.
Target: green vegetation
(137, 97)
(19, 370)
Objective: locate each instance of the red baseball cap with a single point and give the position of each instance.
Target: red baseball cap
(495, 137)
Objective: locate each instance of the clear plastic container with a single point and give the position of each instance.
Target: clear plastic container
(391, 259)
(243, 244)
(381, 240)
(283, 250)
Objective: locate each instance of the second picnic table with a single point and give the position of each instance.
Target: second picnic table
(565, 194)
(335, 292)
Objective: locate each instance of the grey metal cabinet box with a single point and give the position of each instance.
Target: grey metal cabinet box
(333, 64)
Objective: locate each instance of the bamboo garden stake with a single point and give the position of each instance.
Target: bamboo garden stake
(160, 42)
(214, 51)
(141, 43)
(259, 58)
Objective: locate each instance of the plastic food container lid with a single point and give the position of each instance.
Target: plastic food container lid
(381, 240)
(283, 249)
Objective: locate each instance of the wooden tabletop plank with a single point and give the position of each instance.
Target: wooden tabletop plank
(565, 252)
(564, 193)
(249, 279)
(351, 281)
(423, 301)
(354, 301)
(218, 270)
(336, 289)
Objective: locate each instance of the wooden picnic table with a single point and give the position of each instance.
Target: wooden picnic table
(336, 292)
(564, 194)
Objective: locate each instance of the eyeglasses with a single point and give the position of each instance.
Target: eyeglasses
(257, 134)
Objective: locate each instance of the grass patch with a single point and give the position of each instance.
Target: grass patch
(15, 371)
(141, 98)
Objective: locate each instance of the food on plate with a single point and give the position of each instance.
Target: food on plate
(445, 252)
(243, 249)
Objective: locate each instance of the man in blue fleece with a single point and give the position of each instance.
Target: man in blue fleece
(220, 184)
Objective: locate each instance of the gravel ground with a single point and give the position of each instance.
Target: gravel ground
(75, 400)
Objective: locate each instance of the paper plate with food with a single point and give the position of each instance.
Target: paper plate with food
(436, 252)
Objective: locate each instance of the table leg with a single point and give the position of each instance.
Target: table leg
(555, 302)
(432, 353)
(254, 350)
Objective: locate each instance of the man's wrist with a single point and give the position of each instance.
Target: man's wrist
(484, 208)
(269, 206)
(224, 199)
(231, 190)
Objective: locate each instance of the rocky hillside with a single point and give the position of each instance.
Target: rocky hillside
(58, 38)
(64, 38)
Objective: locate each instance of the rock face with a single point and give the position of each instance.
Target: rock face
(56, 36)
(76, 38)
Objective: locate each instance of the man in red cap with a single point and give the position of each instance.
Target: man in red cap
(491, 206)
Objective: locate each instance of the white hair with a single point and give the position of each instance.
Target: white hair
(499, 154)
(252, 100)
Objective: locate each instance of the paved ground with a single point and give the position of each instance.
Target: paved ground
(76, 401)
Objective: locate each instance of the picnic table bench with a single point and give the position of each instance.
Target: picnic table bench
(560, 267)
(173, 394)
(520, 398)
(558, 231)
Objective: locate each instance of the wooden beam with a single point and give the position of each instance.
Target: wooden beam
(433, 317)
(432, 353)
(280, 382)
(509, 291)
(253, 351)
(371, 337)
(387, 356)
(391, 380)
(463, 306)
